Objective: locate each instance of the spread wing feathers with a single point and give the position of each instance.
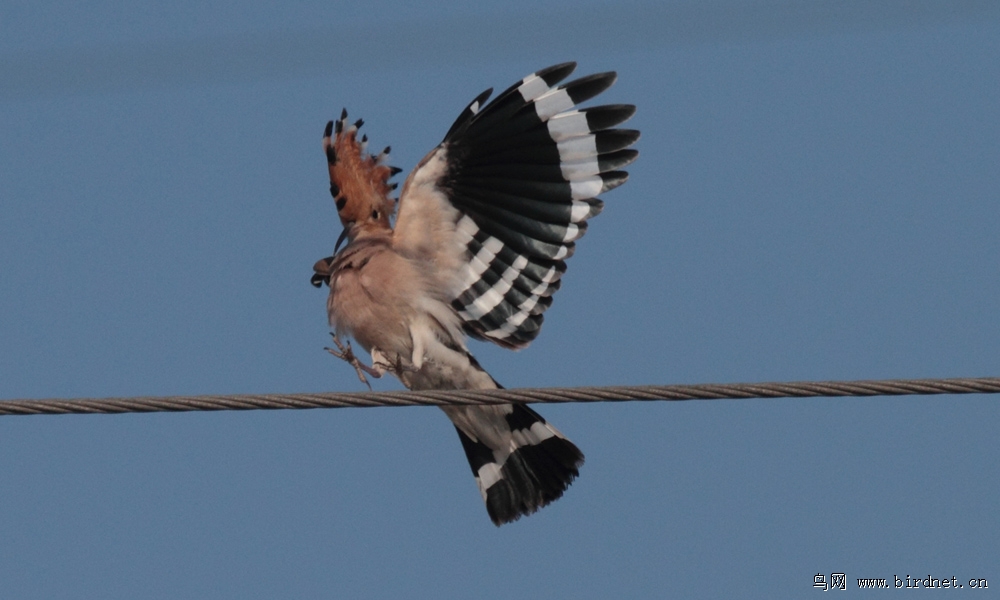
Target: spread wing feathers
(521, 175)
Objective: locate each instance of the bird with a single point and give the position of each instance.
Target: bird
(478, 246)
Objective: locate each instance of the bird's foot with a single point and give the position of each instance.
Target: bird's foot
(396, 366)
(346, 354)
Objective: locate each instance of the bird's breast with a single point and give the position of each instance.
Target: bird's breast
(374, 297)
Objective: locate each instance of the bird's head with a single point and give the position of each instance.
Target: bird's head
(359, 181)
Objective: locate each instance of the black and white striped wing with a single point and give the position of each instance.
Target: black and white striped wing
(523, 173)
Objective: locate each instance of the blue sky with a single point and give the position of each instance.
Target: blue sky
(816, 198)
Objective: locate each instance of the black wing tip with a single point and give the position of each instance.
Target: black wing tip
(612, 140)
(471, 110)
(556, 73)
(628, 110)
(613, 179)
(482, 97)
(596, 207)
(583, 89)
(614, 161)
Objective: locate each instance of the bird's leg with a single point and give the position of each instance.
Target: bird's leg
(386, 363)
(346, 354)
(401, 368)
(382, 362)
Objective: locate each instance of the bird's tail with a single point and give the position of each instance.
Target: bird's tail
(521, 463)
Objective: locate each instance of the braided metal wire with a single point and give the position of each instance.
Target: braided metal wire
(801, 389)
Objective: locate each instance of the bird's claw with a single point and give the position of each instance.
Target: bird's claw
(346, 354)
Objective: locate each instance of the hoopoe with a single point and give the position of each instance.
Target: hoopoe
(485, 224)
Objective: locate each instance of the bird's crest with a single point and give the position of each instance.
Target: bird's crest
(359, 181)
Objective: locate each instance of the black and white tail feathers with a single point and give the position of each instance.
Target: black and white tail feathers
(536, 472)
(525, 171)
(520, 462)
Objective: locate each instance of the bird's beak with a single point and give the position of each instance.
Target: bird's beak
(340, 240)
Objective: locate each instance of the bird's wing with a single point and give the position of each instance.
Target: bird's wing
(496, 208)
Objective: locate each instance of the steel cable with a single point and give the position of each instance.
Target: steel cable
(718, 391)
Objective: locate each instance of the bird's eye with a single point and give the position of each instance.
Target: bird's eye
(374, 214)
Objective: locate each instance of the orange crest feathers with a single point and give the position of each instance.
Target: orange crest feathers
(359, 182)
